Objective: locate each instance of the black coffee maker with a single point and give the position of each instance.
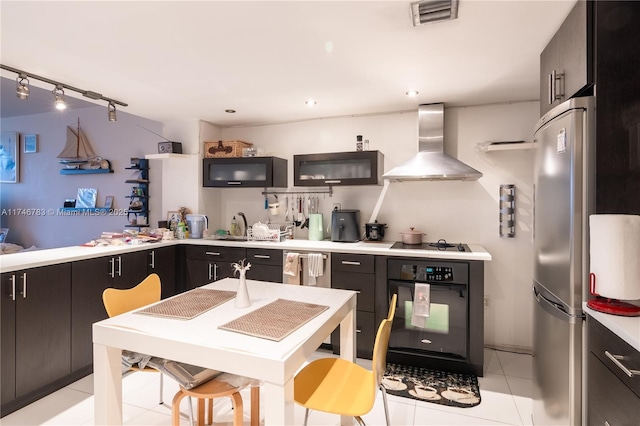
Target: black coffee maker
(345, 226)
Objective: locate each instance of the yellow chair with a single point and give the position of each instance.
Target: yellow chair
(338, 386)
(117, 301)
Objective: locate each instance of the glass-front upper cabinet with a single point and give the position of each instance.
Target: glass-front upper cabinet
(338, 168)
(255, 172)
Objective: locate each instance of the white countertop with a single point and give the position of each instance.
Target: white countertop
(627, 328)
(37, 258)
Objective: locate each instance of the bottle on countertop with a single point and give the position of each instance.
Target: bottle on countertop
(359, 143)
(181, 231)
(234, 227)
(366, 144)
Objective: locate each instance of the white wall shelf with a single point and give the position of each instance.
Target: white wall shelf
(503, 146)
(166, 156)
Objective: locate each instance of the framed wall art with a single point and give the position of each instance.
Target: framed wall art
(9, 161)
(30, 144)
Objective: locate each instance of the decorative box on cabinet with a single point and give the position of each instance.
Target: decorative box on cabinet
(266, 264)
(35, 336)
(613, 385)
(357, 272)
(256, 172)
(210, 263)
(89, 279)
(139, 217)
(338, 168)
(566, 63)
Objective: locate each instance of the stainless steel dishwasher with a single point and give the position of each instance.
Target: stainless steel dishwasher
(302, 277)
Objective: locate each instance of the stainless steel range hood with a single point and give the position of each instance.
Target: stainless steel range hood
(431, 162)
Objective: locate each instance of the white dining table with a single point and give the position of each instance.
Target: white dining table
(199, 341)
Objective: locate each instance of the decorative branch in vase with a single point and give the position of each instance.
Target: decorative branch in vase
(242, 295)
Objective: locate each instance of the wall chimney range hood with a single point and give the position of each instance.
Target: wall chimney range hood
(431, 162)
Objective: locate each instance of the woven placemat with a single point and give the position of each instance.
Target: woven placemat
(189, 305)
(276, 320)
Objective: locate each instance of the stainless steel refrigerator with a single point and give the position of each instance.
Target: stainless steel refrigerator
(563, 200)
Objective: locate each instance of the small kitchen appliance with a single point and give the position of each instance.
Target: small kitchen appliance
(316, 227)
(374, 231)
(345, 226)
(197, 224)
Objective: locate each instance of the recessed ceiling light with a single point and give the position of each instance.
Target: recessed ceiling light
(230, 111)
(411, 93)
(310, 102)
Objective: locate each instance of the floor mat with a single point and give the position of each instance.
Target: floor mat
(439, 387)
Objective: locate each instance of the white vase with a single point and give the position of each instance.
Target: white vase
(242, 296)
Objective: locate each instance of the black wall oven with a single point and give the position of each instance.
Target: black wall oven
(452, 336)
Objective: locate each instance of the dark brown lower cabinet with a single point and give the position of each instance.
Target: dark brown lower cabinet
(266, 265)
(162, 261)
(357, 272)
(36, 338)
(89, 279)
(613, 397)
(206, 264)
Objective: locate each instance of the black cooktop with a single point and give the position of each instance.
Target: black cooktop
(436, 246)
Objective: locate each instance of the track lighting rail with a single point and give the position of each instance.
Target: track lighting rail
(86, 93)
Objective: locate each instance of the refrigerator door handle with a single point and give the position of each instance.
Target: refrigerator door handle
(554, 309)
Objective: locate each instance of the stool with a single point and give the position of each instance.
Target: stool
(216, 389)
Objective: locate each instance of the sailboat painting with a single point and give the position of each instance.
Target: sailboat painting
(77, 150)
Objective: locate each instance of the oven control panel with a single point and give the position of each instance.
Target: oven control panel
(437, 273)
(427, 273)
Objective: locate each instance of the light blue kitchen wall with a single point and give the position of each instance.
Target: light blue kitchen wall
(42, 187)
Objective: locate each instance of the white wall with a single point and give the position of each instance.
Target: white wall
(456, 211)
(42, 186)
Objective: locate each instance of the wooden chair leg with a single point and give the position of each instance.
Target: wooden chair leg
(201, 411)
(236, 400)
(210, 411)
(255, 406)
(175, 408)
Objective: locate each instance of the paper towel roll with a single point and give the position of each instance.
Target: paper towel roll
(615, 255)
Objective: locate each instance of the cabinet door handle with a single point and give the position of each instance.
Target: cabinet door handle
(350, 262)
(234, 183)
(210, 273)
(153, 259)
(215, 272)
(112, 261)
(333, 181)
(358, 330)
(261, 256)
(212, 253)
(24, 285)
(119, 266)
(616, 360)
(13, 287)
(554, 94)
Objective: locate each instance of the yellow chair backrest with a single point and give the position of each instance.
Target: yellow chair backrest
(379, 362)
(118, 301)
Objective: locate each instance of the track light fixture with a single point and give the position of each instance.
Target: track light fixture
(112, 112)
(22, 91)
(22, 86)
(59, 94)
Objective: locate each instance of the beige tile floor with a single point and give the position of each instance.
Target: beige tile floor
(505, 390)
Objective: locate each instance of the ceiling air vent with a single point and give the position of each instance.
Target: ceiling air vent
(427, 11)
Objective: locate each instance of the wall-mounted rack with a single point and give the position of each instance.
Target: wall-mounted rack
(329, 192)
(507, 211)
